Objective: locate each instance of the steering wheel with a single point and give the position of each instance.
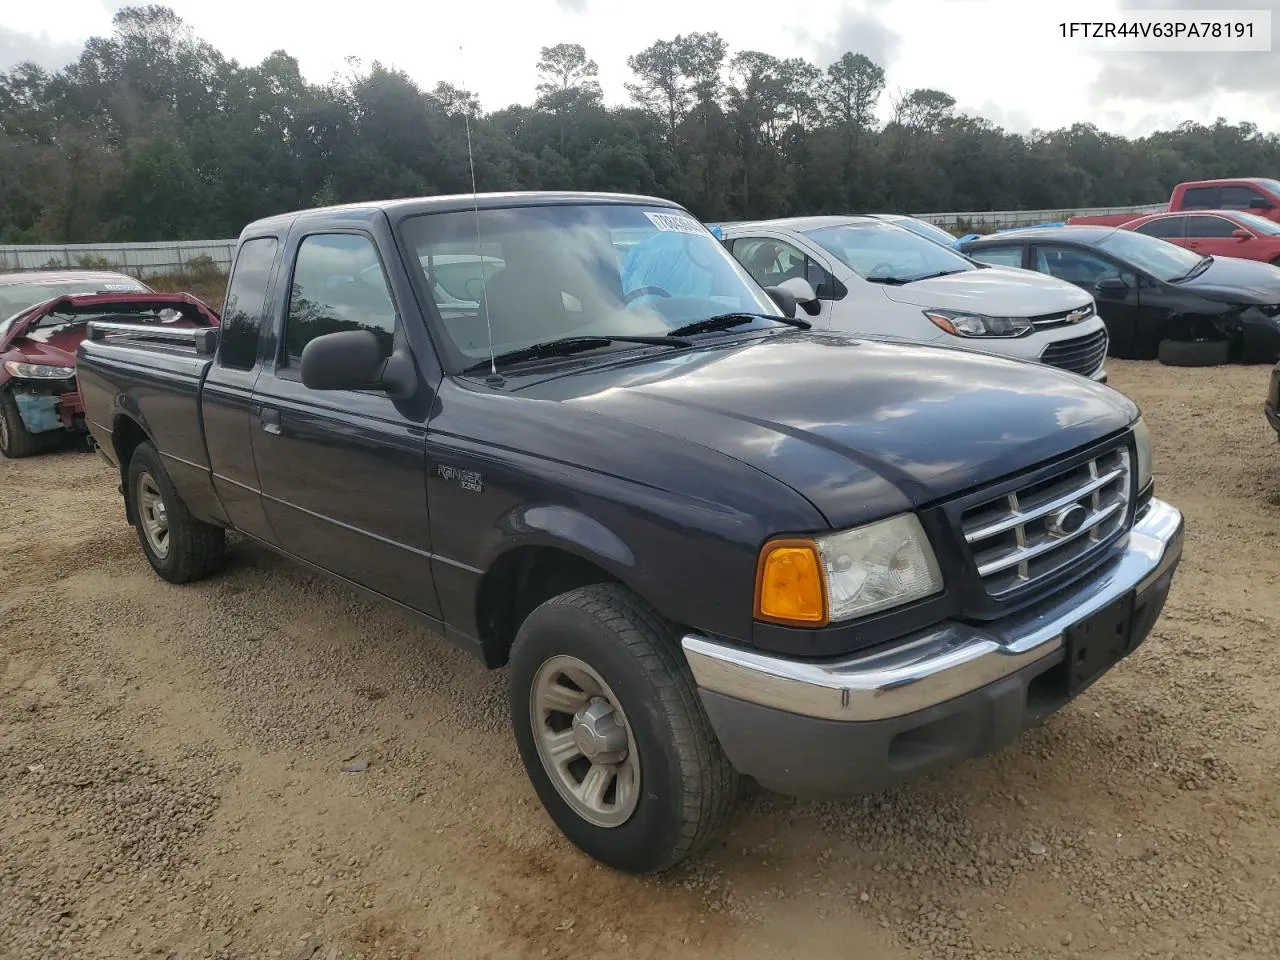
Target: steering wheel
(876, 271)
(645, 292)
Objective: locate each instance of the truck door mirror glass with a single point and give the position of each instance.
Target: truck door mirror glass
(1111, 285)
(346, 360)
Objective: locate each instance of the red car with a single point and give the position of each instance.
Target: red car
(1220, 233)
(39, 397)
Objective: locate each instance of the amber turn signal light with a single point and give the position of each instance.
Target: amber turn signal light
(790, 588)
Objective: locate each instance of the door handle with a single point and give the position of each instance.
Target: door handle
(270, 419)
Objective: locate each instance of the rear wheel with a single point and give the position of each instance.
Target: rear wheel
(15, 440)
(1194, 353)
(612, 733)
(179, 547)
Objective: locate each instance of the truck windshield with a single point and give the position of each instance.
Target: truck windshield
(544, 273)
(884, 253)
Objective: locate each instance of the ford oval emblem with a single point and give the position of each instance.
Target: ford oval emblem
(1067, 521)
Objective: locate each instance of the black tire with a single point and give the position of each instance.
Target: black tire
(194, 548)
(1194, 353)
(15, 440)
(687, 789)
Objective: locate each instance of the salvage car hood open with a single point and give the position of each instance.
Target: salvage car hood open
(57, 346)
(860, 427)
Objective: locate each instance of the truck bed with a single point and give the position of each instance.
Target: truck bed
(156, 377)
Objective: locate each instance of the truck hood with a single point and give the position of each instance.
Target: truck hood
(1234, 280)
(997, 293)
(862, 428)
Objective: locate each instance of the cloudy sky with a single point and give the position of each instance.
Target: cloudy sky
(1003, 59)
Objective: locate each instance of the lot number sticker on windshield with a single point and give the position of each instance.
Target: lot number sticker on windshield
(676, 223)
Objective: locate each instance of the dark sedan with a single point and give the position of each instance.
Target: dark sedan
(1155, 298)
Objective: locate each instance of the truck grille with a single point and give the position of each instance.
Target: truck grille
(1026, 535)
(1079, 355)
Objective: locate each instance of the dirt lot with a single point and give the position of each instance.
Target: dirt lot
(171, 768)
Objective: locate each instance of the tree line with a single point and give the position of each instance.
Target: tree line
(152, 134)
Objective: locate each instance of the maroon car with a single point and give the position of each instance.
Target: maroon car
(39, 397)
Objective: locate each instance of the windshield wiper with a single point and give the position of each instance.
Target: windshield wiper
(888, 281)
(567, 346)
(1198, 269)
(934, 276)
(726, 321)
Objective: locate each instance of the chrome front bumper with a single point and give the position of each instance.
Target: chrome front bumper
(946, 661)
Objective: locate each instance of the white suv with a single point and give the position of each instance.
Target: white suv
(865, 275)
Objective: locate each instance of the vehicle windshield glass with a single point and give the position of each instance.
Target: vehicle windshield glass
(1272, 185)
(1161, 259)
(1259, 225)
(878, 251)
(16, 298)
(575, 270)
(927, 230)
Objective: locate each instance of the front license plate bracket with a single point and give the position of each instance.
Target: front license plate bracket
(1097, 642)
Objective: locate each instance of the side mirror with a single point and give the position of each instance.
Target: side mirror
(806, 296)
(353, 360)
(1260, 203)
(1111, 285)
(801, 289)
(783, 298)
(1241, 234)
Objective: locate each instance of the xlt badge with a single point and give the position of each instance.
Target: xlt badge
(466, 479)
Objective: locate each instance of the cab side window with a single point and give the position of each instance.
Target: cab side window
(246, 300)
(338, 284)
(771, 262)
(1241, 198)
(1080, 267)
(1201, 198)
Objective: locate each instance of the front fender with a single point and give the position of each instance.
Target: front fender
(555, 525)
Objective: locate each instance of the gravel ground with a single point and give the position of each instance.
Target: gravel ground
(171, 768)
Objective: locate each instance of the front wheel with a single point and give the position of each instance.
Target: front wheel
(612, 733)
(15, 440)
(179, 547)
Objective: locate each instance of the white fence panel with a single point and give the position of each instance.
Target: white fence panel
(139, 259)
(998, 219)
(149, 259)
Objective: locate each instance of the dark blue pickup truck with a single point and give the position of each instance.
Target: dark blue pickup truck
(572, 433)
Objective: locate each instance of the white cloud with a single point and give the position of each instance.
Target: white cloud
(999, 58)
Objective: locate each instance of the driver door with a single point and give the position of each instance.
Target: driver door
(1116, 289)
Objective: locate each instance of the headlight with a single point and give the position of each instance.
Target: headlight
(38, 371)
(961, 324)
(1142, 441)
(811, 582)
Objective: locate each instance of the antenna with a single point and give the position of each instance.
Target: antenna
(494, 376)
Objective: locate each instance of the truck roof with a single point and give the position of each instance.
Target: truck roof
(399, 209)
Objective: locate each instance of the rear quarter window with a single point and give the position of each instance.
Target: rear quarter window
(246, 300)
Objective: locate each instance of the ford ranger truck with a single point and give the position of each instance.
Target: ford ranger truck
(572, 434)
